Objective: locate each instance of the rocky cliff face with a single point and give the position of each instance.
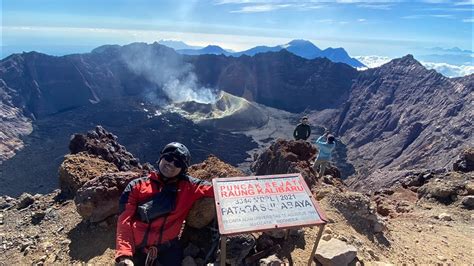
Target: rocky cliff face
(403, 116)
(14, 124)
(395, 117)
(280, 80)
(35, 86)
(42, 85)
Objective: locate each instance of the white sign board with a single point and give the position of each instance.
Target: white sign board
(258, 203)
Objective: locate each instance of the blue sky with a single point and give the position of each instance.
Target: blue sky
(377, 27)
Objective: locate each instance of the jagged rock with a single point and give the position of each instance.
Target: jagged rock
(378, 226)
(323, 190)
(335, 252)
(204, 210)
(417, 180)
(383, 209)
(238, 247)
(358, 211)
(77, 169)
(385, 179)
(287, 156)
(296, 233)
(6, 202)
(104, 144)
(272, 260)
(264, 241)
(98, 198)
(465, 161)
(188, 261)
(203, 238)
(403, 206)
(468, 202)
(469, 186)
(212, 167)
(37, 216)
(441, 190)
(25, 200)
(332, 171)
(276, 233)
(202, 213)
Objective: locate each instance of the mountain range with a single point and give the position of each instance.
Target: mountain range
(303, 48)
(397, 116)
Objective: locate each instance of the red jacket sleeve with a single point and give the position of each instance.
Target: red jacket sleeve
(201, 188)
(125, 245)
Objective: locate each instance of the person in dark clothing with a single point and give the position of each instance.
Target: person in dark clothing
(152, 210)
(302, 130)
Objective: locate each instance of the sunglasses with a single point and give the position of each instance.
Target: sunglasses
(171, 159)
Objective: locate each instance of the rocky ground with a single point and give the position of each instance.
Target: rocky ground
(51, 231)
(425, 220)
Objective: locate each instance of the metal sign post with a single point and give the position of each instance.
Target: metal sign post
(223, 250)
(316, 242)
(263, 203)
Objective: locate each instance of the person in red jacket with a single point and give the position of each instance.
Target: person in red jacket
(152, 210)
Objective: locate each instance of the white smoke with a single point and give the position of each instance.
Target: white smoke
(165, 69)
(185, 89)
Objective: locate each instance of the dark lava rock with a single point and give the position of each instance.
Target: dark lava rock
(468, 202)
(98, 199)
(25, 200)
(465, 161)
(401, 116)
(104, 144)
(238, 247)
(287, 156)
(77, 169)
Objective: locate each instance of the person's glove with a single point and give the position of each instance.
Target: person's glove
(125, 262)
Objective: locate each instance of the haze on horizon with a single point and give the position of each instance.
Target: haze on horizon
(435, 31)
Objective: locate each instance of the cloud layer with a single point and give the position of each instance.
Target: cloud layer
(445, 69)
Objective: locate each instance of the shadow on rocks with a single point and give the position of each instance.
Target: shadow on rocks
(91, 240)
(358, 212)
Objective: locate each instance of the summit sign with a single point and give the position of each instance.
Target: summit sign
(259, 203)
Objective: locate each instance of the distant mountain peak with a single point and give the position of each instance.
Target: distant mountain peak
(178, 45)
(210, 46)
(302, 43)
(407, 60)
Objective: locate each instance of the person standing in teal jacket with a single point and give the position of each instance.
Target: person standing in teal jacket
(325, 149)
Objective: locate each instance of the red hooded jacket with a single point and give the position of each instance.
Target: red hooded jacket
(131, 232)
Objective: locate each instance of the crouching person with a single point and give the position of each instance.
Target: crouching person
(153, 208)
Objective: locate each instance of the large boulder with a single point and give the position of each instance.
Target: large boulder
(212, 167)
(358, 211)
(204, 210)
(198, 229)
(238, 247)
(465, 161)
(77, 169)
(98, 198)
(287, 156)
(335, 253)
(442, 190)
(104, 145)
